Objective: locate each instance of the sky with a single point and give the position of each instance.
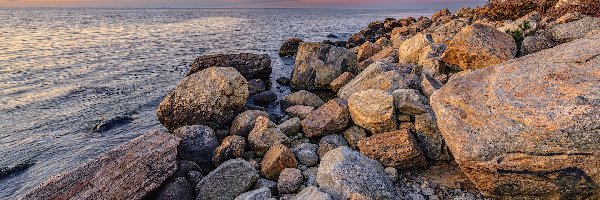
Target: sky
(409, 4)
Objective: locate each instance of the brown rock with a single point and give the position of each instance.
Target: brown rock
(400, 30)
(479, 46)
(341, 80)
(528, 128)
(129, 171)
(373, 110)
(232, 147)
(380, 76)
(318, 64)
(251, 66)
(353, 135)
(390, 53)
(367, 50)
(290, 47)
(299, 111)
(264, 135)
(243, 123)
(276, 160)
(441, 15)
(397, 149)
(331, 118)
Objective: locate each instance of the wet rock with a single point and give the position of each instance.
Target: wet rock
(251, 66)
(177, 189)
(430, 139)
(265, 98)
(115, 121)
(229, 180)
(244, 122)
(312, 193)
(212, 97)
(479, 46)
(14, 169)
(265, 183)
(318, 64)
(373, 110)
(307, 154)
(380, 76)
(529, 127)
(264, 135)
(367, 50)
(330, 142)
(283, 80)
(409, 101)
(102, 178)
(301, 97)
(258, 194)
(289, 181)
(276, 160)
(344, 172)
(573, 30)
(331, 118)
(232, 147)
(290, 47)
(393, 149)
(353, 135)
(291, 127)
(341, 80)
(256, 86)
(301, 112)
(198, 144)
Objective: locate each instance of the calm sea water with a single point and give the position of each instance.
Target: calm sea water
(64, 70)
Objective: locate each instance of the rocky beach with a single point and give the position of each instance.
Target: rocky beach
(494, 102)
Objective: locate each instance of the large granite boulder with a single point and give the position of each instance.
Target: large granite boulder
(198, 144)
(318, 64)
(398, 149)
(229, 180)
(290, 47)
(332, 117)
(380, 76)
(150, 160)
(251, 66)
(264, 135)
(243, 123)
(528, 128)
(211, 97)
(373, 110)
(344, 172)
(573, 30)
(479, 46)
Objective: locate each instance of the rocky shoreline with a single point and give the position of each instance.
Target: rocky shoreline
(476, 104)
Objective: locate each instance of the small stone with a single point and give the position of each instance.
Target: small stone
(312, 193)
(283, 80)
(256, 86)
(310, 176)
(392, 173)
(291, 127)
(409, 101)
(289, 181)
(301, 97)
(330, 142)
(276, 160)
(232, 147)
(245, 121)
(194, 177)
(307, 154)
(229, 180)
(393, 149)
(403, 118)
(265, 183)
(177, 189)
(258, 194)
(300, 111)
(264, 135)
(340, 81)
(198, 144)
(353, 135)
(331, 118)
(265, 98)
(185, 166)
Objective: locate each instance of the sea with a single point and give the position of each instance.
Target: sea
(64, 70)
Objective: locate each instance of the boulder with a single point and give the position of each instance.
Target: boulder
(410, 102)
(258, 194)
(367, 50)
(264, 135)
(307, 154)
(232, 147)
(397, 149)
(289, 181)
(340, 81)
(177, 189)
(353, 135)
(276, 160)
(429, 84)
(290, 47)
(331, 118)
(380, 76)
(573, 30)
(211, 97)
(443, 16)
(330, 142)
(373, 110)
(388, 53)
(479, 46)
(412, 49)
(344, 172)
(301, 97)
(103, 177)
(312, 193)
(244, 122)
(528, 128)
(318, 64)
(291, 127)
(525, 25)
(251, 66)
(256, 86)
(430, 139)
(198, 144)
(299, 111)
(228, 181)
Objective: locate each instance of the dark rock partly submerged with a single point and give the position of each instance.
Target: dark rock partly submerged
(251, 66)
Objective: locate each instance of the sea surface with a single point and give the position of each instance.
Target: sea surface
(62, 71)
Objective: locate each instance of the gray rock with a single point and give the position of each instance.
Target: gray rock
(194, 177)
(265, 183)
(379, 76)
(411, 102)
(392, 173)
(291, 127)
(177, 189)
(535, 43)
(318, 64)
(331, 142)
(344, 172)
(289, 181)
(229, 180)
(307, 154)
(573, 30)
(264, 98)
(301, 97)
(184, 167)
(212, 97)
(244, 122)
(430, 139)
(353, 135)
(198, 144)
(264, 135)
(251, 66)
(310, 176)
(258, 194)
(429, 84)
(256, 86)
(312, 193)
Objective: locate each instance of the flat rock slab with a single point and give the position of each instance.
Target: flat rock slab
(129, 171)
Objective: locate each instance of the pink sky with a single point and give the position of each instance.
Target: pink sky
(236, 3)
